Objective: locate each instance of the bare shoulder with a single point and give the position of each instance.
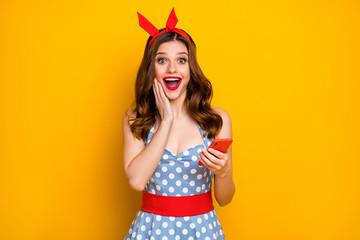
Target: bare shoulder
(128, 135)
(226, 130)
(129, 114)
(224, 114)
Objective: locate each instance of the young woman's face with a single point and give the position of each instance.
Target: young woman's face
(172, 68)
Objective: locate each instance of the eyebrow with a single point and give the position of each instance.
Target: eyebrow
(179, 53)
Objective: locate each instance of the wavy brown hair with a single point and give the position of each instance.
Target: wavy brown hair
(198, 94)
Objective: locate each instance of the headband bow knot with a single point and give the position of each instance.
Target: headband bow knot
(154, 32)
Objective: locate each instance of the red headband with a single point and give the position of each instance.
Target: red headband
(154, 32)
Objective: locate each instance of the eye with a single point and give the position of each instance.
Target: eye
(182, 60)
(161, 60)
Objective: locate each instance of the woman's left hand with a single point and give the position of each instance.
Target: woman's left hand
(216, 161)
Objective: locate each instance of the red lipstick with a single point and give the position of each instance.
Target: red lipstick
(172, 82)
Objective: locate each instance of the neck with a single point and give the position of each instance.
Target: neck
(179, 107)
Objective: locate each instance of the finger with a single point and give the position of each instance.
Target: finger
(210, 157)
(161, 92)
(216, 153)
(201, 161)
(155, 95)
(209, 164)
(156, 92)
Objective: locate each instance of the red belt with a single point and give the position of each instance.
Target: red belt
(177, 206)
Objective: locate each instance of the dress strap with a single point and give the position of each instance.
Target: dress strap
(150, 135)
(206, 140)
(201, 130)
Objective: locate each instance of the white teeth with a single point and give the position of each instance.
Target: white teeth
(171, 79)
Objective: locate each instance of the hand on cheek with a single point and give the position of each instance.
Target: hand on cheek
(162, 102)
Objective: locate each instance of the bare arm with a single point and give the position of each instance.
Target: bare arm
(221, 164)
(139, 161)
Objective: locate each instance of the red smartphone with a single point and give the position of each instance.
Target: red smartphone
(220, 144)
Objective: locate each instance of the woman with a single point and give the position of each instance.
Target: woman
(166, 136)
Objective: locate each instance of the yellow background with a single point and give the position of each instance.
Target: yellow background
(286, 71)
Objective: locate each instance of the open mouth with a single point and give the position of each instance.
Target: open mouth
(172, 83)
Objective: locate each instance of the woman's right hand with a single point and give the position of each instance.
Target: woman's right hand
(162, 102)
(140, 162)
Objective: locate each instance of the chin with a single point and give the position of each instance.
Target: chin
(172, 95)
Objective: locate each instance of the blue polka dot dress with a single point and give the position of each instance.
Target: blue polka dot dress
(178, 175)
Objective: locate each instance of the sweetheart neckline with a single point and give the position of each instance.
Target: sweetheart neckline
(185, 150)
(175, 155)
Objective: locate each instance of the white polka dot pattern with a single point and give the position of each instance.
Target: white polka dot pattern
(193, 227)
(171, 177)
(178, 175)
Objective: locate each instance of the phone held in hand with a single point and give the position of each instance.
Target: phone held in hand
(220, 144)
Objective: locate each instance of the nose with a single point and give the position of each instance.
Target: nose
(171, 67)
